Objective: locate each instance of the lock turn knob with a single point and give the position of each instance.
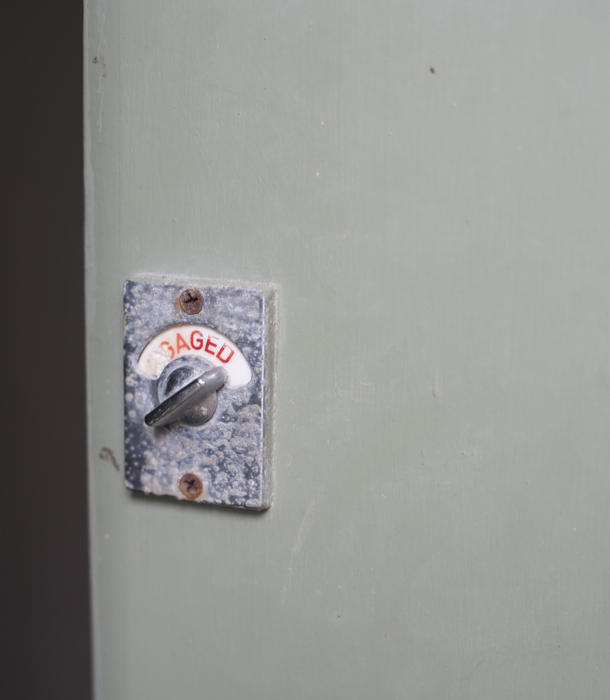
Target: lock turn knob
(180, 403)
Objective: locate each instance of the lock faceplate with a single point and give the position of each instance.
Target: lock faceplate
(228, 455)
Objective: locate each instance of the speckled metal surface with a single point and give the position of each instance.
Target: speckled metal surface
(231, 452)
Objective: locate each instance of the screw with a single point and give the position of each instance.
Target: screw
(190, 486)
(191, 301)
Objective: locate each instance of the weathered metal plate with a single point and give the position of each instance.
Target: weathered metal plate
(225, 461)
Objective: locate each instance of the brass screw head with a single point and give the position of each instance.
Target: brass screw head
(191, 301)
(191, 486)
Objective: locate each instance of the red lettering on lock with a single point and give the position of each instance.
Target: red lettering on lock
(181, 344)
(227, 357)
(196, 340)
(181, 341)
(209, 344)
(170, 348)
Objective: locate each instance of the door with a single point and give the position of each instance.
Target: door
(426, 185)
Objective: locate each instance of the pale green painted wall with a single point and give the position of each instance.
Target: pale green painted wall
(441, 245)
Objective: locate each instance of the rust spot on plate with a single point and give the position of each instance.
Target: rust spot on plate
(191, 486)
(191, 301)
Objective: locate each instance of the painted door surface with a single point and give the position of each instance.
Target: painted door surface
(427, 185)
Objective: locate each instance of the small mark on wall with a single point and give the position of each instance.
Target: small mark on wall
(100, 60)
(108, 456)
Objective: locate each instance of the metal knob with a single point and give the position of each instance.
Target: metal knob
(182, 401)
